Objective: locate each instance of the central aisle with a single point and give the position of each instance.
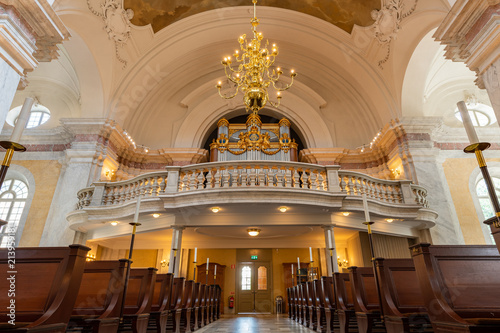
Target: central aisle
(254, 324)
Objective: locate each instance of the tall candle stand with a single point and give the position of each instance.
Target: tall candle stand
(194, 273)
(375, 274)
(127, 275)
(313, 272)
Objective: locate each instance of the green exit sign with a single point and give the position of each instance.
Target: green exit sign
(253, 257)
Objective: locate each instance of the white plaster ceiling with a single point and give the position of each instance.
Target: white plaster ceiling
(341, 99)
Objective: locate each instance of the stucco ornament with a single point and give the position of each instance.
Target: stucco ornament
(116, 23)
(388, 22)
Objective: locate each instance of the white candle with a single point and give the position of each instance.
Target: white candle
(137, 206)
(292, 269)
(365, 208)
(208, 260)
(22, 120)
(310, 254)
(330, 245)
(195, 253)
(215, 270)
(298, 262)
(469, 128)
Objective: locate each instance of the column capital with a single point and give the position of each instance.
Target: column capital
(471, 33)
(178, 227)
(328, 226)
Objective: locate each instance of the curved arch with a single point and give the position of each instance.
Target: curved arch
(18, 172)
(474, 178)
(332, 67)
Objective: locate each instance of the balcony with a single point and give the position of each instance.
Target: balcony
(316, 195)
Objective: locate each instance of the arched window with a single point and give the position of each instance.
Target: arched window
(13, 195)
(484, 199)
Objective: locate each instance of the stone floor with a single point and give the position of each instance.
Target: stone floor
(254, 324)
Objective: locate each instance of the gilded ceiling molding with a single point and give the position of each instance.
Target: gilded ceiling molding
(388, 22)
(116, 23)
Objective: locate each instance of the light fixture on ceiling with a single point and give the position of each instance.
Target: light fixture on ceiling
(255, 71)
(283, 209)
(345, 213)
(156, 215)
(253, 232)
(215, 209)
(114, 223)
(390, 220)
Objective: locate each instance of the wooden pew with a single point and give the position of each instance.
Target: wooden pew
(196, 306)
(98, 305)
(402, 301)
(217, 300)
(311, 305)
(460, 286)
(365, 297)
(183, 315)
(138, 299)
(344, 302)
(160, 307)
(201, 311)
(300, 303)
(327, 303)
(208, 304)
(320, 306)
(45, 283)
(176, 303)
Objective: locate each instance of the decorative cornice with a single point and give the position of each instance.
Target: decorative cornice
(34, 30)
(116, 23)
(388, 22)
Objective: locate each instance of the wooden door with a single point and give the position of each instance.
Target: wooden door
(254, 283)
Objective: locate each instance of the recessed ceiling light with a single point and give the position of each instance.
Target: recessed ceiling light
(156, 215)
(345, 213)
(283, 209)
(253, 232)
(215, 209)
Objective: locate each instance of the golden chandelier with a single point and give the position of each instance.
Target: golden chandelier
(255, 72)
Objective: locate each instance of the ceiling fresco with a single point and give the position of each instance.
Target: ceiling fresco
(342, 13)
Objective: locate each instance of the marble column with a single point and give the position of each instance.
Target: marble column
(175, 251)
(75, 175)
(331, 250)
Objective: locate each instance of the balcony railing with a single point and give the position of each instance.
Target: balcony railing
(262, 175)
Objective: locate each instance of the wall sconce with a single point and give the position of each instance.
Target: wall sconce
(345, 213)
(396, 172)
(215, 209)
(90, 257)
(163, 263)
(342, 263)
(156, 215)
(109, 173)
